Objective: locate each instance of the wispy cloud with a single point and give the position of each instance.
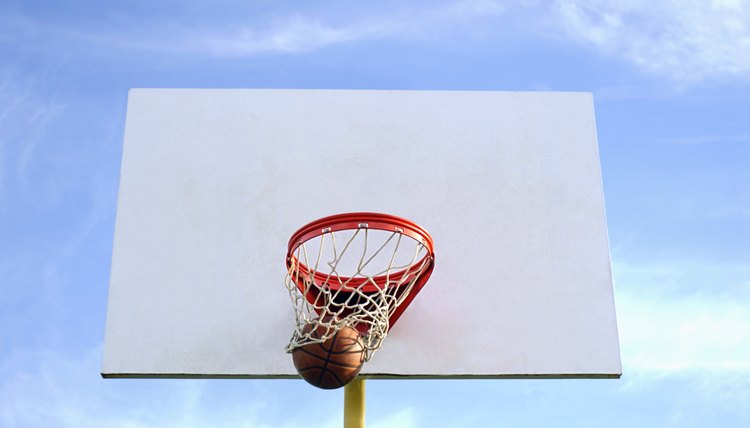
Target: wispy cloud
(290, 33)
(685, 41)
(294, 35)
(298, 33)
(681, 329)
(24, 119)
(63, 389)
(58, 389)
(404, 418)
(699, 344)
(684, 334)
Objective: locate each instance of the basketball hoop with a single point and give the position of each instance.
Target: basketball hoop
(359, 270)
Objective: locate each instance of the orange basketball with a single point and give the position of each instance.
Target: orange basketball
(333, 363)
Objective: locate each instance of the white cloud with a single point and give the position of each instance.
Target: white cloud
(24, 119)
(63, 389)
(686, 41)
(56, 388)
(404, 418)
(683, 40)
(299, 33)
(699, 342)
(283, 34)
(676, 332)
(696, 333)
(295, 35)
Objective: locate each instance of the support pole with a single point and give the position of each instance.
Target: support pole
(354, 404)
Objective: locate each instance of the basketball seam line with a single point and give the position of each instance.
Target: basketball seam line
(325, 364)
(312, 354)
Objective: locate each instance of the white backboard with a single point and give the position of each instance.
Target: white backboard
(214, 182)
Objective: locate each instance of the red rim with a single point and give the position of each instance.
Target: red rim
(360, 220)
(346, 221)
(349, 221)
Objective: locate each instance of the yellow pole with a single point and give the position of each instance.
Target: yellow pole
(354, 404)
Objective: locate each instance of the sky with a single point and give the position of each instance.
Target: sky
(671, 84)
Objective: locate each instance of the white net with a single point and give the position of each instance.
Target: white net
(354, 277)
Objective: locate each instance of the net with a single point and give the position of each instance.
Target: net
(358, 277)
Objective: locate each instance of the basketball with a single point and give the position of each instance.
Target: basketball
(333, 363)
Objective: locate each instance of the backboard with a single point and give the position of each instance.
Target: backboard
(214, 182)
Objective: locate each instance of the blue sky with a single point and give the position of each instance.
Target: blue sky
(671, 83)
